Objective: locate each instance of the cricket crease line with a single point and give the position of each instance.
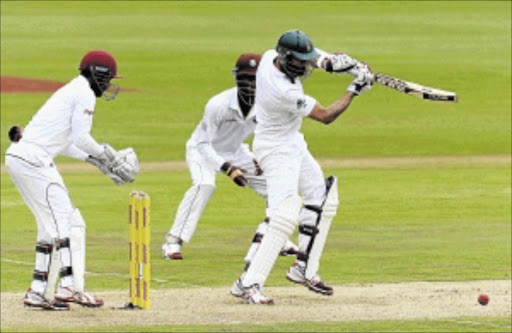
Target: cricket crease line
(409, 161)
(475, 323)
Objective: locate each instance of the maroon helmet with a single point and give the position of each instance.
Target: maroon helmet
(247, 63)
(100, 67)
(245, 76)
(102, 59)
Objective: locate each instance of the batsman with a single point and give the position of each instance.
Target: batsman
(298, 194)
(62, 127)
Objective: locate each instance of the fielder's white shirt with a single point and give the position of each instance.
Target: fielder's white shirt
(222, 130)
(63, 124)
(280, 104)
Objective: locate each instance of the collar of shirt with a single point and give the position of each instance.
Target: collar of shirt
(233, 105)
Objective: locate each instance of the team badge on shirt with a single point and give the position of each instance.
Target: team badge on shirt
(301, 103)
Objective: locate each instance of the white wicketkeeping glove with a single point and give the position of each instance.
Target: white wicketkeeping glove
(103, 166)
(121, 166)
(127, 165)
(109, 155)
(363, 81)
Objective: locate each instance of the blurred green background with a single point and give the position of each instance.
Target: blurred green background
(179, 54)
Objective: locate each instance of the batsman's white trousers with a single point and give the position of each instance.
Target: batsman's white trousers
(290, 169)
(203, 185)
(41, 186)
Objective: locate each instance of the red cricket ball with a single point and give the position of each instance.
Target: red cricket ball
(483, 299)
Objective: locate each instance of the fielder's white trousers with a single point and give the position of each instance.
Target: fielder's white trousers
(203, 185)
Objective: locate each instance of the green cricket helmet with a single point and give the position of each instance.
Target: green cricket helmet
(295, 44)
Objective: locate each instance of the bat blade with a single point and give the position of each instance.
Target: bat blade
(415, 89)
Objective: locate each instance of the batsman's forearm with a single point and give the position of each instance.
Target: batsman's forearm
(338, 107)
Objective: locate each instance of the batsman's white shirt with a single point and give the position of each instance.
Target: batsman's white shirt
(60, 127)
(280, 104)
(219, 138)
(278, 145)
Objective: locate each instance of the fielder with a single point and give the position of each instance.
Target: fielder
(62, 127)
(216, 146)
(297, 190)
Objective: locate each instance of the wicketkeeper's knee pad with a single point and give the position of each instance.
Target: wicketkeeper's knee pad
(43, 261)
(64, 247)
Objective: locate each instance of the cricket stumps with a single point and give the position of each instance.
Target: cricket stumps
(140, 256)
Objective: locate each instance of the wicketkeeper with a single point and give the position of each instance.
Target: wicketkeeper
(298, 193)
(62, 127)
(216, 147)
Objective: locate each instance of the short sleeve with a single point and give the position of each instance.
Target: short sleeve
(299, 103)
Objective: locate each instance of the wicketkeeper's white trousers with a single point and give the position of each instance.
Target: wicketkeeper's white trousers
(42, 188)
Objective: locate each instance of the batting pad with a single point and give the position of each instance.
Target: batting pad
(77, 248)
(281, 226)
(53, 265)
(262, 229)
(329, 210)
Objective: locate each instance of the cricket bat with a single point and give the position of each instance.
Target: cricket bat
(415, 89)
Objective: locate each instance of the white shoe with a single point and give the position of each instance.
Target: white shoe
(67, 294)
(251, 295)
(297, 274)
(37, 300)
(171, 251)
(289, 249)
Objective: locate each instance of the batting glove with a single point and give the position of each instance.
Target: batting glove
(339, 63)
(363, 82)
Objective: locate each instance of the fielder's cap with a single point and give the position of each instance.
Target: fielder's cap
(247, 63)
(101, 59)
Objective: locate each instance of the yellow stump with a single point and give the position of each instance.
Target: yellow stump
(140, 244)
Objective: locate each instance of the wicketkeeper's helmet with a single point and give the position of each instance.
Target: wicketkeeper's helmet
(101, 66)
(295, 44)
(245, 76)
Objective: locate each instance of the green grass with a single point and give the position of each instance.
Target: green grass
(406, 225)
(184, 53)
(500, 324)
(394, 224)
